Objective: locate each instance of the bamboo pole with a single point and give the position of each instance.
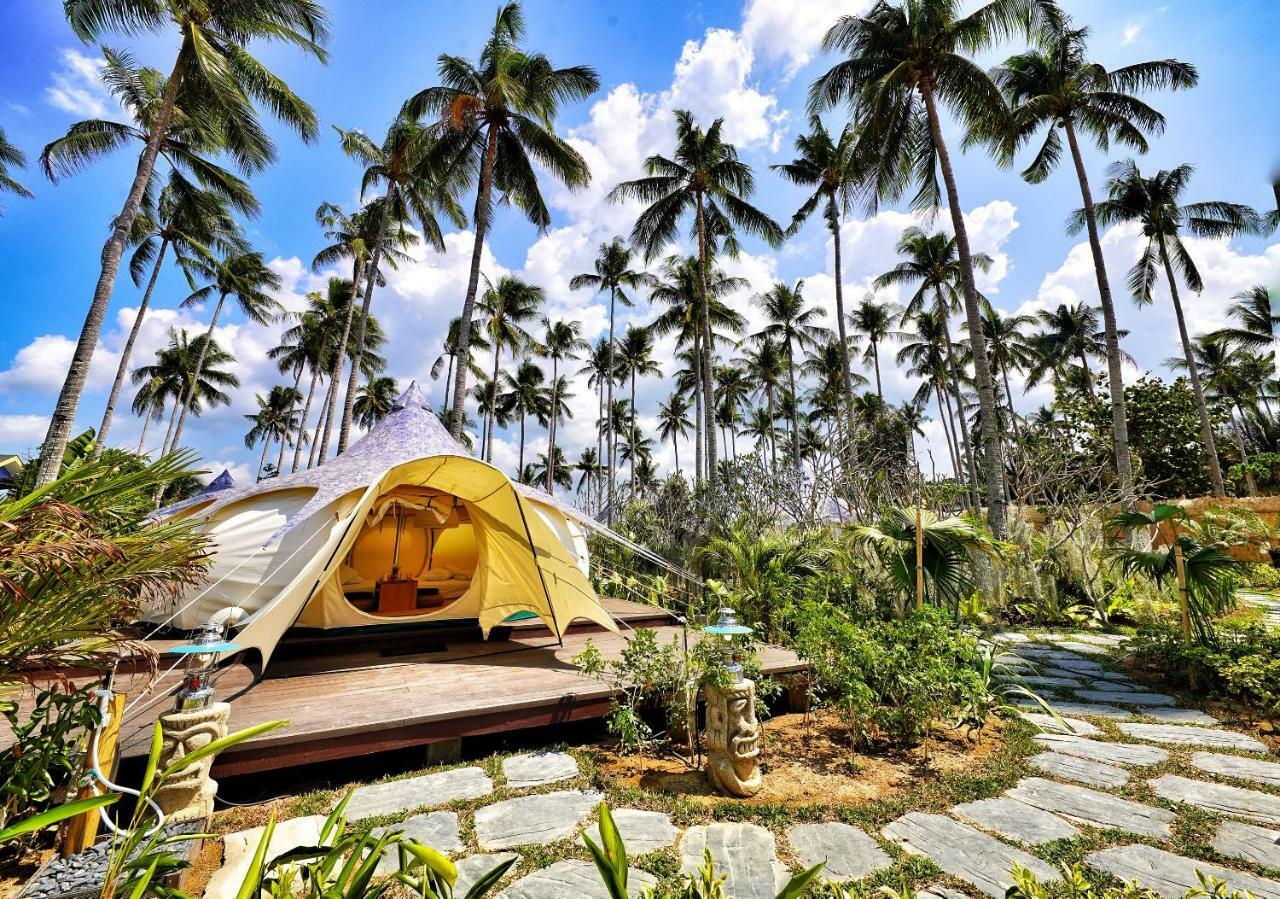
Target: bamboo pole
(1184, 602)
(82, 830)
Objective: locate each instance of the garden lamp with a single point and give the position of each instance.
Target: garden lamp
(200, 664)
(727, 628)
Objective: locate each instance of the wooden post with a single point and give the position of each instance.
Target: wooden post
(1183, 602)
(82, 830)
(919, 561)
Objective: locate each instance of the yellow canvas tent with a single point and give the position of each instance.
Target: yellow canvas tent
(407, 502)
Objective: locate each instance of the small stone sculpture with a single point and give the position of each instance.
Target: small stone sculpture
(188, 794)
(733, 739)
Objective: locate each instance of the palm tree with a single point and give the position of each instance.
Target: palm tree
(308, 344)
(828, 167)
(374, 400)
(1254, 310)
(925, 353)
(1010, 348)
(548, 462)
(214, 77)
(673, 422)
(507, 307)
(901, 62)
(600, 369)
(274, 420)
(449, 355)
(590, 471)
(791, 325)
(353, 237)
(196, 224)
(418, 186)
(825, 365)
(733, 389)
(525, 394)
(766, 364)
(613, 272)
(635, 357)
(10, 155)
(680, 287)
(875, 322)
(1156, 204)
(561, 342)
(932, 261)
(1070, 334)
(707, 179)
(497, 116)
(246, 277)
(173, 376)
(1056, 86)
(1227, 374)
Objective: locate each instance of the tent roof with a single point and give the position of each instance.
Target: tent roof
(409, 431)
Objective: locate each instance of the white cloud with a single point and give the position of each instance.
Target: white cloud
(19, 108)
(791, 31)
(77, 86)
(41, 366)
(711, 80)
(1131, 30)
(21, 434)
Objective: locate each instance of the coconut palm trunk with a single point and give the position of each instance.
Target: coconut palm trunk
(1193, 371)
(199, 367)
(285, 433)
(266, 444)
(302, 425)
(1115, 378)
(168, 432)
(1249, 484)
(609, 435)
(847, 387)
(675, 447)
(481, 218)
(965, 454)
(551, 428)
(493, 402)
(357, 357)
(448, 382)
(981, 365)
(875, 358)
(123, 368)
(146, 423)
(631, 437)
(321, 425)
(708, 350)
(795, 407)
(698, 464)
(945, 418)
(1088, 375)
(64, 413)
(317, 456)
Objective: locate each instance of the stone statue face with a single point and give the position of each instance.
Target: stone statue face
(742, 728)
(199, 730)
(733, 740)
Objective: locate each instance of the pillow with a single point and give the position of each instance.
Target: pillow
(434, 574)
(349, 575)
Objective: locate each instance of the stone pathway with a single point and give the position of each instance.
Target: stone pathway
(976, 843)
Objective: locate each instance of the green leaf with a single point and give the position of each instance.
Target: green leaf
(434, 861)
(218, 745)
(482, 886)
(797, 884)
(56, 814)
(251, 886)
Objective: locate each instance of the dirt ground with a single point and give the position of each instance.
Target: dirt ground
(808, 758)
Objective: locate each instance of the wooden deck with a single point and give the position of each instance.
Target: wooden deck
(357, 695)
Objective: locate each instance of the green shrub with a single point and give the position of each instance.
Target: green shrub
(893, 679)
(1241, 662)
(1261, 576)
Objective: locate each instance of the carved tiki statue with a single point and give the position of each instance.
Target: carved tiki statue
(733, 739)
(188, 794)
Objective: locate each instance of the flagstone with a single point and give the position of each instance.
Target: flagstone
(1248, 842)
(1088, 649)
(1180, 716)
(745, 853)
(1089, 709)
(1238, 766)
(439, 788)
(847, 852)
(536, 769)
(238, 850)
(1092, 807)
(641, 831)
(473, 867)
(1223, 799)
(1206, 737)
(439, 830)
(1070, 767)
(1016, 820)
(1159, 699)
(1173, 876)
(1049, 723)
(965, 852)
(572, 877)
(537, 819)
(1111, 753)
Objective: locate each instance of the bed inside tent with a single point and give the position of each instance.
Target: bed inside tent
(404, 528)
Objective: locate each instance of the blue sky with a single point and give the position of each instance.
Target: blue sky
(750, 63)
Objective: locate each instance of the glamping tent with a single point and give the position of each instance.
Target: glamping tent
(405, 526)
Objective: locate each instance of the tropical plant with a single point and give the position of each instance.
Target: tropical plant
(791, 325)
(1254, 310)
(902, 62)
(80, 555)
(449, 355)
(875, 322)
(673, 422)
(523, 394)
(1070, 334)
(419, 185)
(246, 277)
(1055, 86)
(613, 272)
(11, 156)
(497, 116)
(42, 758)
(766, 365)
(214, 77)
(947, 556)
(635, 357)
(705, 178)
(1203, 574)
(507, 307)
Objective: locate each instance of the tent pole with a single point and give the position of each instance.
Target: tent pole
(533, 550)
